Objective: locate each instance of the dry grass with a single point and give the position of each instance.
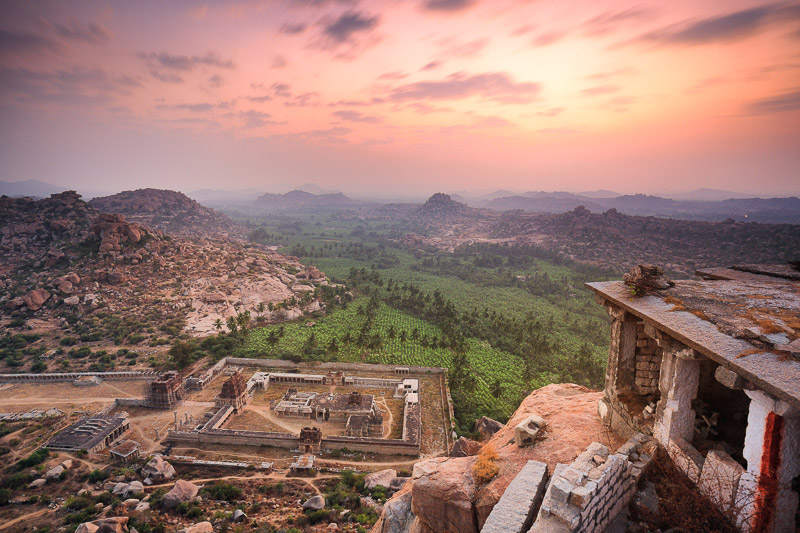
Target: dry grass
(681, 506)
(751, 351)
(700, 314)
(677, 305)
(485, 468)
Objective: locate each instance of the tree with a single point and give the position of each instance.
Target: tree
(233, 324)
(181, 354)
(497, 388)
(260, 308)
(218, 326)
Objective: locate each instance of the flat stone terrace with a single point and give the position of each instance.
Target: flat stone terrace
(746, 322)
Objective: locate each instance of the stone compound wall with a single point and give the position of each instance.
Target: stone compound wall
(588, 494)
(648, 359)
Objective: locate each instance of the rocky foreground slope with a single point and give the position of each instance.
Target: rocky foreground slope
(445, 495)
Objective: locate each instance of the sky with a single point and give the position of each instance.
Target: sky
(403, 97)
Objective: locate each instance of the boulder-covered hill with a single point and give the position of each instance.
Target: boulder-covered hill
(618, 241)
(442, 209)
(67, 269)
(167, 210)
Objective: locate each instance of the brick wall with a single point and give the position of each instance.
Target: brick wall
(648, 360)
(586, 495)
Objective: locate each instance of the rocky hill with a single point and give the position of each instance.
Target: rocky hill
(68, 270)
(616, 240)
(170, 211)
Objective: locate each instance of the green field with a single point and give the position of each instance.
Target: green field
(488, 363)
(503, 320)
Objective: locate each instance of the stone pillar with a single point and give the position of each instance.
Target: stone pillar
(766, 502)
(622, 351)
(678, 382)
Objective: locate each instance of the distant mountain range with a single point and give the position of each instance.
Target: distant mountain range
(773, 210)
(36, 188)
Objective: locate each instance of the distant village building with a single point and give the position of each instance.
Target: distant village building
(711, 369)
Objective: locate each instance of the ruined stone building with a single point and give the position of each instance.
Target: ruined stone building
(310, 439)
(91, 434)
(711, 369)
(324, 406)
(233, 393)
(165, 392)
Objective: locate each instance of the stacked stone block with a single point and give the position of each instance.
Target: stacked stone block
(520, 501)
(647, 360)
(588, 494)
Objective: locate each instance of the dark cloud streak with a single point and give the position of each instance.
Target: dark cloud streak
(494, 86)
(348, 24)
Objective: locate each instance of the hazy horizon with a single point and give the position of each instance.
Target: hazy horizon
(403, 99)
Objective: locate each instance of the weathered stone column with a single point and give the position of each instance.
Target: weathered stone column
(622, 351)
(765, 500)
(678, 382)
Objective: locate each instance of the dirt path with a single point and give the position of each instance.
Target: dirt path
(271, 475)
(387, 428)
(23, 518)
(267, 413)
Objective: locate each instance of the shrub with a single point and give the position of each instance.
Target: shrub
(97, 475)
(33, 459)
(485, 468)
(223, 491)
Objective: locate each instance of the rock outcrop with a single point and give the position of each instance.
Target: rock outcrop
(157, 469)
(182, 491)
(485, 427)
(383, 478)
(444, 494)
(465, 447)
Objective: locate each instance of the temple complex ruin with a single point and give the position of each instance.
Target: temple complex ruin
(356, 417)
(165, 392)
(711, 369)
(233, 393)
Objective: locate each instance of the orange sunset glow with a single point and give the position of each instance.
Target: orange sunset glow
(403, 97)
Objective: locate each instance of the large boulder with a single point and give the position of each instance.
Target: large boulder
(35, 299)
(182, 491)
(465, 447)
(134, 488)
(485, 427)
(120, 489)
(444, 495)
(383, 478)
(116, 524)
(397, 516)
(315, 503)
(201, 527)
(54, 473)
(157, 469)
